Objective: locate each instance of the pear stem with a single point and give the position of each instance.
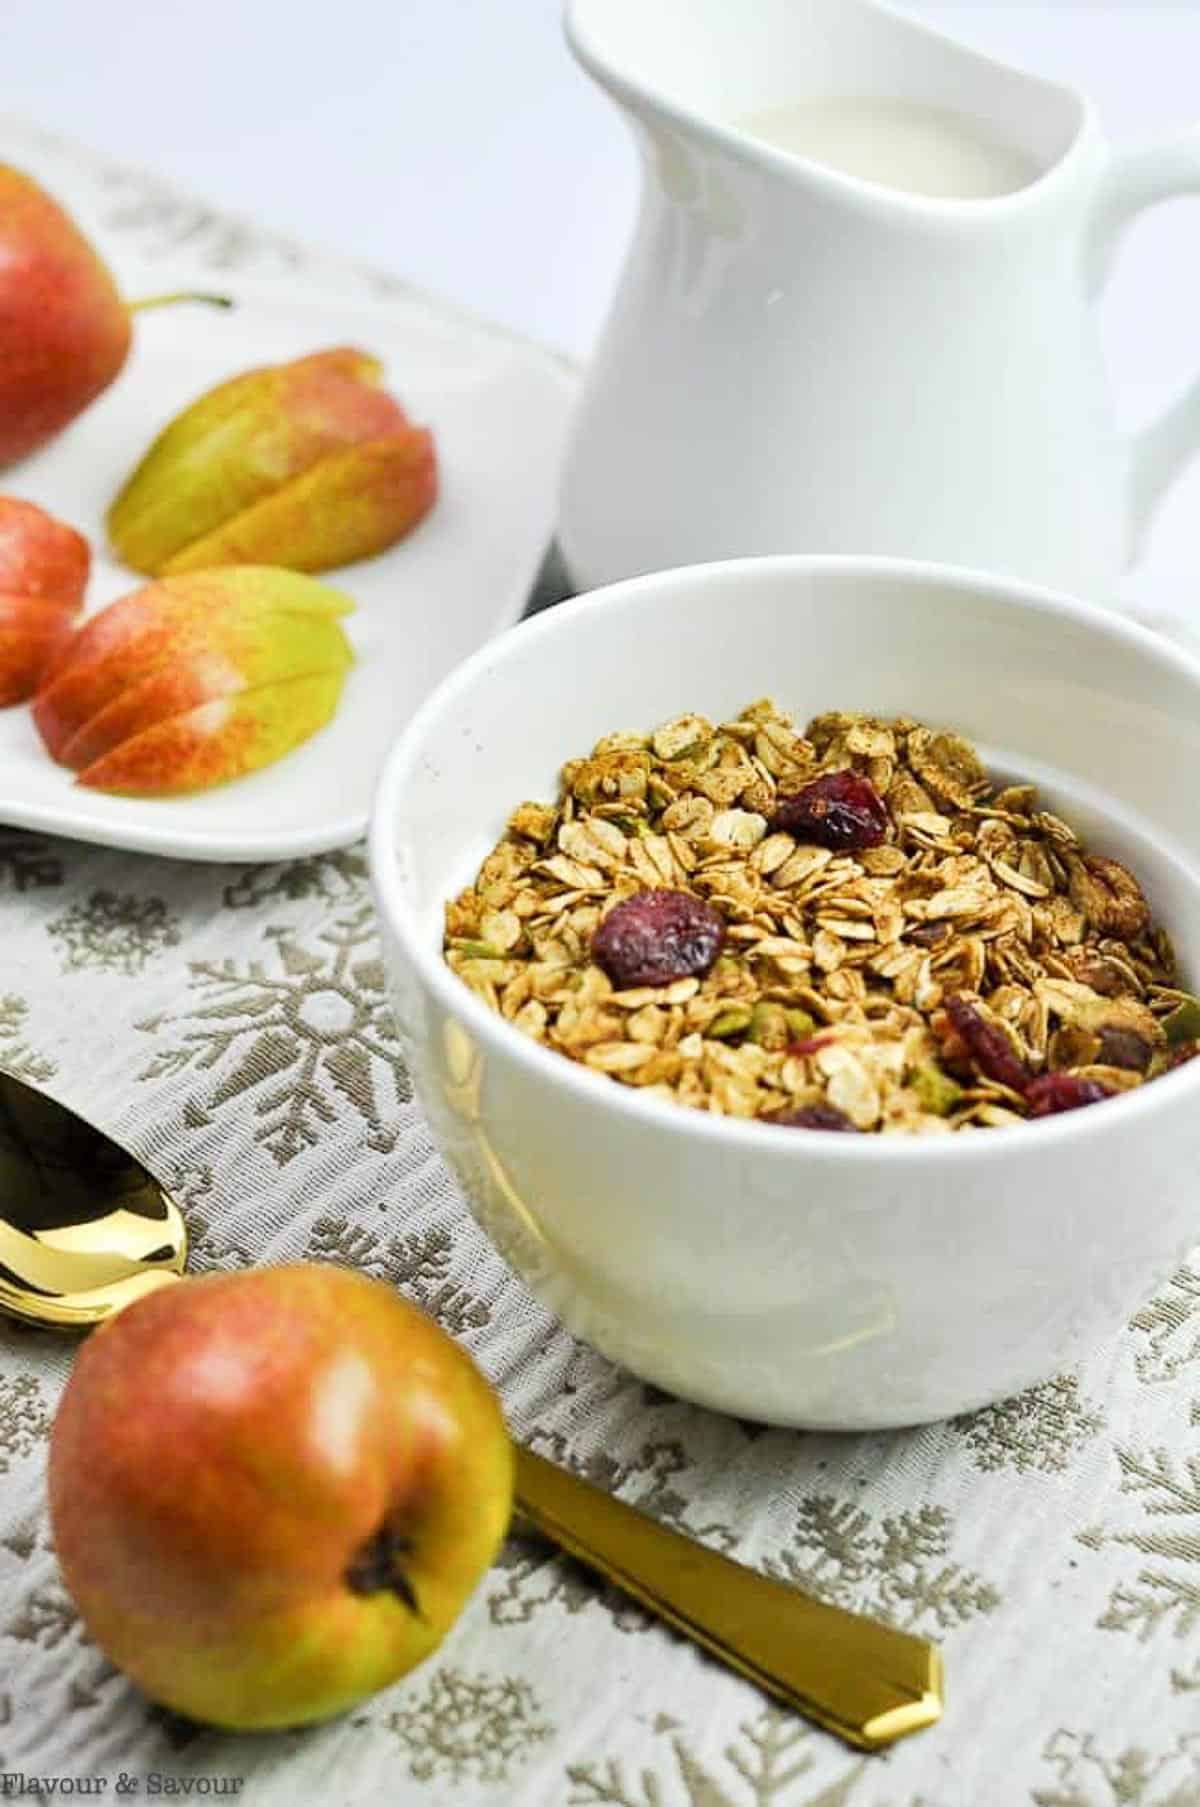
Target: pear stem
(169, 300)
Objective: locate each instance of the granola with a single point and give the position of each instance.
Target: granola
(851, 928)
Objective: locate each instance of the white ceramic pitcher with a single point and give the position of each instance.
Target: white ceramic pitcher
(798, 359)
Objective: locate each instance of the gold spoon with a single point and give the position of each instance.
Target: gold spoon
(85, 1229)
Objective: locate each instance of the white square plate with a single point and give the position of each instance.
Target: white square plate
(499, 411)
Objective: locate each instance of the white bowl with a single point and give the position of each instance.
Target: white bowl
(806, 1279)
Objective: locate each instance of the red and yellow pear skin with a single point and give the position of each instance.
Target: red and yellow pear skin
(352, 505)
(32, 634)
(44, 567)
(272, 1492)
(64, 330)
(218, 740)
(231, 452)
(235, 657)
(159, 624)
(196, 680)
(173, 687)
(39, 555)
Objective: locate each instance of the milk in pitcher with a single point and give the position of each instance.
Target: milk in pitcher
(898, 143)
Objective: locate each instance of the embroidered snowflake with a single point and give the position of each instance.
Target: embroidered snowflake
(190, 1184)
(1044, 1428)
(16, 1056)
(84, 1692)
(44, 1617)
(142, 209)
(1087, 1776)
(419, 1262)
(1165, 1591)
(30, 861)
(293, 1034)
(24, 1421)
(114, 933)
(463, 1726)
(767, 1761)
(1170, 1324)
(22, 1540)
(211, 1252)
(333, 876)
(895, 1568)
(188, 1181)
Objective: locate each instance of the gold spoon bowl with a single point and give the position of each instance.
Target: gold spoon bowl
(84, 1229)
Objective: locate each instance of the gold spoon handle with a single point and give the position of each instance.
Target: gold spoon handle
(865, 1681)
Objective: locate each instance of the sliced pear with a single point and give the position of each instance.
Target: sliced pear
(215, 611)
(351, 505)
(32, 633)
(41, 556)
(195, 680)
(282, 647)
(219, 740)
(239, 443)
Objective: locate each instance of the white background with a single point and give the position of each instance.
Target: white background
(455, 143)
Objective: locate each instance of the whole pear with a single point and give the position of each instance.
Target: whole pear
(272, 1492)
(64, 329)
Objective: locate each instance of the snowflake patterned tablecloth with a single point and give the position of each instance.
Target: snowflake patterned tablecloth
(231, 1025)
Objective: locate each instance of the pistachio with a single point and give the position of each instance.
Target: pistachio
(729, 1023)
(1183, 1024)
(474, 950)
(936, 1090)
(769, 1026)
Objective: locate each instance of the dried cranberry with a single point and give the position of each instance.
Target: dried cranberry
(813, 1116)
(988, 1046)
(929, 934)
(1124, 1048)
(1182, 1053)
(839, 810)
(1051, 1093)
(809, 1045)
(658, 936)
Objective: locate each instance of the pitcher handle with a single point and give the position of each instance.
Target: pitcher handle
(1134, 181)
